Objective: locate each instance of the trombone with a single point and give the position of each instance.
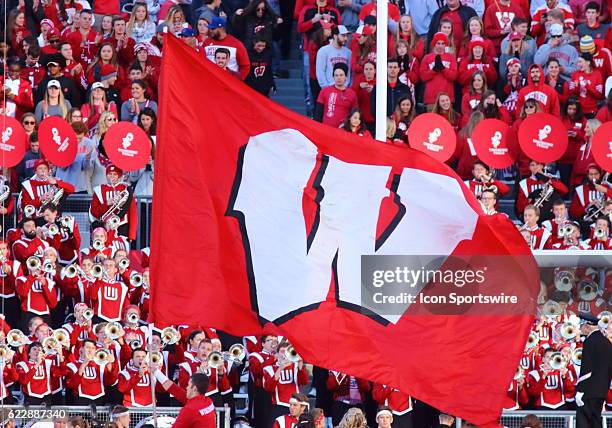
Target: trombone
(113, 330)
(237, 352)
(49, 345)
(215, 360)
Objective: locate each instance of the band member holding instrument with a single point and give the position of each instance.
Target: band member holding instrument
(135, 381)
(571, 240)
(555, 225)
(100, 248)
(600, 239)
(10, 270)
(62, 233)
(488, 201)
(484, 180)
(539, 235)
(30, 242)
(549, 385)
(108, 296)
(537, 181)
(588, 199)
(113, 206)
(37, 293)
(35, 376)
(7, 204)
(595, 374)
(40, 190)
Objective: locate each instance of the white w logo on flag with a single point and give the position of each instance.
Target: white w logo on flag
(280, 168)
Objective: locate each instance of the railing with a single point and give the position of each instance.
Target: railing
(549, 419)
(99, 416)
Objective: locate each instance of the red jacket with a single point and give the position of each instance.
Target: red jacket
(23, 101)
(498, 17)
(545, 95)
(438, 81)
(101, 201)
(197, 412)
(93, 381)
(37, 296)
(108, 298)
(588, 87)
(136, 389)
(528, 185)
(289, 382)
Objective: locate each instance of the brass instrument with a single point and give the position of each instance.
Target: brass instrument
(564, 230)
(605, 318)
(599, 233)
(237, 352)
(16, 338)
(97, 270)
(29, 211)
(88, 314)
(113, 223)
(577, 357)
(564, 280)
(291, 354)
(5, 191)
(132, 318)
(52, 229)
(135, 344)
(155, 358)
(136, 280)
(113, 330)
(52, 200)
(552, 309)
(72, 271)
(65, 222)
(62, 336)
(116, 208)
(170, 336)
(545, 195)
(48, 267)
(98, 245)
(587, 290)
(49, 345)
(4, 353)
(486, 179)
(33, 263)
(568, 331)
(595, 210)
(102, 357)
(123, 263)
(532, 340)
(557, 362)
(215, 360)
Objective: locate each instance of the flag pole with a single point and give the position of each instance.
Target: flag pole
(382, 9)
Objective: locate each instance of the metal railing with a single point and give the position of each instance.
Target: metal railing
(98, 417)
(549, 419)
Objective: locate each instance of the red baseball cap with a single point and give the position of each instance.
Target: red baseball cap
(40, 162)
(476, 41)
(115, 169)
(516, 36)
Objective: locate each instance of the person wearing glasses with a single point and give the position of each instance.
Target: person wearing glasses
(557, 47)
(29, 124)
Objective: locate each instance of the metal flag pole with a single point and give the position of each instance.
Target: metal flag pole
(382, 12)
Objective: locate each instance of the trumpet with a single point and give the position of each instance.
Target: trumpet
(52, 230)
(88, 314)
(237, 352)
(291, 354)
(577, 357)
(72, 271)
(215, 360)
(564, 231)
(4, 353)
(170, 336)
(62, 336)
(102, 357)
(136, 280)
(16, 338)
(568, 331)
(98, 245)
(65, 222)
(48, 266)
(587, 290)
(49, 345)
(29, 211)
(132, 318)
(557, 362)
(155, 358)
(33, 263)
(135, 344)
(532, 340)
(113, 330)
(599, 233)
(97, 270)
(564, 280)
(604, 319)
(124, 263)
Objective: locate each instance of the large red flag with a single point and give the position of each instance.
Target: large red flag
(260, 219)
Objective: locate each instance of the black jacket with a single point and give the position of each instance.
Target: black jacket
(260, 76)
(465, 12)
(393, 96)
(596, 366)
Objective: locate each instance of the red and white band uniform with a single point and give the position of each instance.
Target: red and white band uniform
(136, 387)
(108, 298)
(257, 362)
(549, 390)
(285, 421)
(103, 197)
(347, 389)
(584, 195)
(94, 379)
(516, 395)
(9, 376)
(288, 382)
(66, 242)
(35, 379)
(26, 247)
(8, 280)
(217, 383)
(529, 185)
(34, 189)
(38, 294)
(539, 236)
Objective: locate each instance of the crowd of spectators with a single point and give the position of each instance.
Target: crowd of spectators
(95, 64)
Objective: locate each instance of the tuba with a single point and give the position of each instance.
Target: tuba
(215, 360)
(102, 357)
(113, 330)
(170, 336)
(291, 354)
(564, 280)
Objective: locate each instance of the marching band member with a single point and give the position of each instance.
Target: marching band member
(261, 400)
(560, 218)
(37, 294)
(108, 296)
(62, 234)
(298, 404)
(587, 196)
(77, 280)
(548, 385)
(398, 403)
(114, 200)
(192, 342)
(30, 242)
(35, 375)
(132, 325)
(81, 329)
(10, 270)
(571, 241)
(42, 189)
(483, 180)
(539, 235)
(601, 236)
(283, 379)
(9, 376)
(537, 180)
(516, 395)
(100, 248)
(348, 391)
(135, 381)
(88, 379)
(488, 200)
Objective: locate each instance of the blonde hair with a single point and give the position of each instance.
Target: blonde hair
(391, 128)
(354, 417)
(130, 24)
(414, 37)
(61, 102)
(101, 126)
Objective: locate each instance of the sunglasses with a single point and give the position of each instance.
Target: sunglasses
(555, 37)
(526, 107)
(111, 119)
(27, 122)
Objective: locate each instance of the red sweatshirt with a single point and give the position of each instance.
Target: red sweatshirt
(438, 81)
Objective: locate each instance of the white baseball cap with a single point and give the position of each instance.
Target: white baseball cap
(97, 85)
(55, 83)
(342, 30)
